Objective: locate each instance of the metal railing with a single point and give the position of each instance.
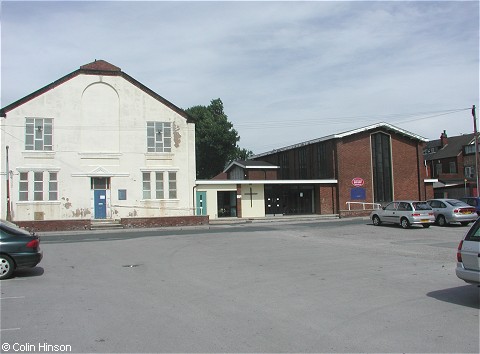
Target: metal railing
(364, 204)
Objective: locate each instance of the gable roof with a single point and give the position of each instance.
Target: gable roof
(381, 125)
(250, 164)
(453, 147)
(97, 67)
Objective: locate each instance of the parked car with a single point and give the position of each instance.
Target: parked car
(405, 213)
(472, 201)
(468, 255)
(18, 249)
(452, 210)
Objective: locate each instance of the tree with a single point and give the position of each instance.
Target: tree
(215, 139)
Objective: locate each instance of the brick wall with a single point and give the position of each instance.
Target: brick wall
(354, 161)
(72, 225)
(55, 225)
(164, 221)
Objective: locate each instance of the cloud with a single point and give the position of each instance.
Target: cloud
(291, 71)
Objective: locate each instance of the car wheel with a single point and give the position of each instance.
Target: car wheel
(464, 223)
(441, 220)
(426, 226)
(6, 267)
(404, 223)
(376, 220)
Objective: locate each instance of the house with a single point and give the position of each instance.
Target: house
(342, 174)
(451, 160)
(96, 144)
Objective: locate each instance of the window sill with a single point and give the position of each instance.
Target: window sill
(159, 155)
(39, 154)
(38, 202)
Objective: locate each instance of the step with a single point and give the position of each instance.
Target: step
(106, 224)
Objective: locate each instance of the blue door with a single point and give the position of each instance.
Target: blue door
(100, 197)
(201, 203)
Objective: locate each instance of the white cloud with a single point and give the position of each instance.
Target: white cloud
(292, 71)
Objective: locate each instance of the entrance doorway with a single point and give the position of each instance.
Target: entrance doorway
(100, 186)
(201, 203)
(227, 204)
(289, 199)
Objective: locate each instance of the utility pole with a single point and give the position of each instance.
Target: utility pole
(7, 174)
(474, 115)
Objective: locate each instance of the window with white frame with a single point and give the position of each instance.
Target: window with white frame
(159, 137)
(39, 134)
(159, 190)
(452, 167)
(172, 185)
(23, 187)
(45, 186)
(38, 186)
(52, 186)
(159, 185)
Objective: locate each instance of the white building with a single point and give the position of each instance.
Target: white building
(96, 144)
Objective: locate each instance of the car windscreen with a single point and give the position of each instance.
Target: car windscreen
(421, 206)
(457, 203)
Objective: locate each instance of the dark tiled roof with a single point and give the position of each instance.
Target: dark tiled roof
(98, 67)
(452, 148)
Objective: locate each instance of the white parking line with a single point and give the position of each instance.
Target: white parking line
(12, 297)
(9, 329)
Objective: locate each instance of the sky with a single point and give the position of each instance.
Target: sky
(286, 72)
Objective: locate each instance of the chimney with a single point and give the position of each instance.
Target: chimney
(443, 138)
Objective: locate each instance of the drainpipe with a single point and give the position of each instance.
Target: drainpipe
(7, 174)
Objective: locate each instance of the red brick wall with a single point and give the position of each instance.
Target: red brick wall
(261, 174)
(326, 195)
(408, 168)
(354, 161)
(71, 225)
(165, 221)
(55, 225)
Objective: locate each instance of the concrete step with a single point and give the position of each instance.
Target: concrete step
(106, 224)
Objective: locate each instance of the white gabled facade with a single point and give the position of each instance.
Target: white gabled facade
(96, 144)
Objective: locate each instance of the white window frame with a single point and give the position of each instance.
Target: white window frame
(159, 137)
(38, 186)
(39, 134)
(159, 185)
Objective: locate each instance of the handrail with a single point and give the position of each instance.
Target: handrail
(374, 205)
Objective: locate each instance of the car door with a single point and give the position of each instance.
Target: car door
(471, 250)
(436, 206)
(390, 213)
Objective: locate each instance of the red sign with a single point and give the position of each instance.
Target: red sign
(358, 182)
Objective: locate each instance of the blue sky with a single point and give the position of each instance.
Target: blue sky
(286, 72)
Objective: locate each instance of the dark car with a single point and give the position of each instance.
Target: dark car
(473, 201)
(18, 249)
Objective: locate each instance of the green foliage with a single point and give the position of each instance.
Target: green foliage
(215, 139)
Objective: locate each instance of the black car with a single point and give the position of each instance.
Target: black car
(18, 249)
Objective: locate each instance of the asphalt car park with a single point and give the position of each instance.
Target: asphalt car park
(334, 286)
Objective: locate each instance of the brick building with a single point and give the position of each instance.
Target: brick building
(344, 174)
(451, 160)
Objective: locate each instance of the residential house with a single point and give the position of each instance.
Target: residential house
(451, 160)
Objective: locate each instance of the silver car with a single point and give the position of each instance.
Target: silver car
(405, 213)
(452, 210)
(468, 256)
